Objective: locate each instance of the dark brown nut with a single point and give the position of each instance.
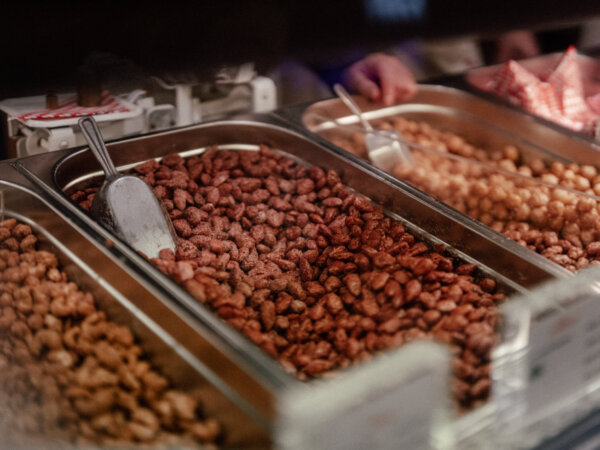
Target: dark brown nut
(390, 326)
(324, 325)
(414, 313)
(421, 266)
(477, 314)
(186, 250)
(417, 249)
(379, 280)
(367, 324)
(487, 284)
(332, 202)
(297, 306)
(428, 300)
(316, 312)
(295, 288)
(446, 306)
(282, 322)
(463, 309)
(393, 289)
(322, 350)
(481, 388)
(333, 302)
(480, 344)
(353, 348)
(267, 314)
(362, 204)
(461, 369)
(478, 328)
(431, 316)
(28, 243)
(314, 289)
(283, 302)
(353, 283)
(332, 283)
(593, 248)
(369, 307)
(413, 334)
(317, 366)
(305, 186)
(412, 290)
(316, 173)
(383, 259)
(21, 230)
(456, 323)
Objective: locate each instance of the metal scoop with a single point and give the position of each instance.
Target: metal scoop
(383, 147)
(126, 204)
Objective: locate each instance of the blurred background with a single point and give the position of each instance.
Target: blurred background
(184, 62)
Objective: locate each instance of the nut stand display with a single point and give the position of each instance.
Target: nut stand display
(242, 364)
(251, 378)
(313, 300)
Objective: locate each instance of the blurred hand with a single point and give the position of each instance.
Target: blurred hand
(517, 44)
(380, 78)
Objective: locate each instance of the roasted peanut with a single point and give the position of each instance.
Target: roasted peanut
(72, 372)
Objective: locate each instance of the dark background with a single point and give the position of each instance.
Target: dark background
(43, 44)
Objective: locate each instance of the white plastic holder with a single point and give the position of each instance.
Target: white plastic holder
(548, 369)
(398, 400)
(184, 104)
(264, 94)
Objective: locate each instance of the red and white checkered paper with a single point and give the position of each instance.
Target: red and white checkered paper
(594, 103)
(69, 109)
(557, 95)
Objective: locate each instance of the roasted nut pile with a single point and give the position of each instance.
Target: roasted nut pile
(312, 273)
(584, 178)
(69, 373)
(561, 225)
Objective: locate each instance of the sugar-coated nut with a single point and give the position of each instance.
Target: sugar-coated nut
(331, 279)
(431, 316)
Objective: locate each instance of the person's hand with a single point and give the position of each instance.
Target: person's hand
(380, 78)
(517, 44)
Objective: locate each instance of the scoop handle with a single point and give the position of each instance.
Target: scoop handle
(342, 93)
(92, 135)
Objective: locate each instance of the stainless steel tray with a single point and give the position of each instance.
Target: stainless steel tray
(495, 255)
(158, 324)
(478, 120)
(475, 118)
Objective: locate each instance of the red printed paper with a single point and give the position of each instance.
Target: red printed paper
(557, 95)
(70, 109)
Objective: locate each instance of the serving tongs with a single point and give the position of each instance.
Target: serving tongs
(126, 204)
(385, 148)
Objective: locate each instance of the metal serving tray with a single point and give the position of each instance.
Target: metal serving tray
(156, 321)
(496, 256)
(481, 81)
(478, 120)
(484, 123)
